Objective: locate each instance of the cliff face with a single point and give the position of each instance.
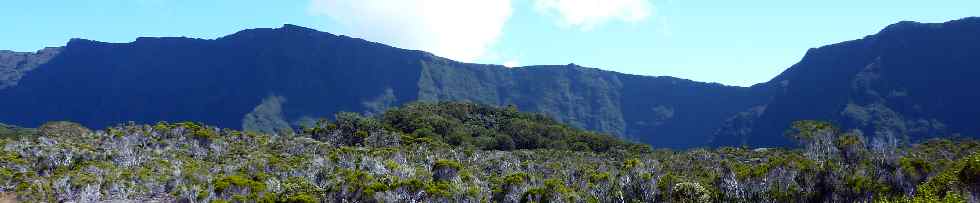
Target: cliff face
(291, 75)
(909, 81)
(213, 81)
(662, 111)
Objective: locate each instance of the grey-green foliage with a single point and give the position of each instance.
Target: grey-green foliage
(267, 117)
(195, 163)
(688, 192)
(188, 162)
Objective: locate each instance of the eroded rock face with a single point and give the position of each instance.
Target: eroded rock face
(910, 79)
(221, 81)
(13, 65)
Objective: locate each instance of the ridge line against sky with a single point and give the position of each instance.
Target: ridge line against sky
(734, 43)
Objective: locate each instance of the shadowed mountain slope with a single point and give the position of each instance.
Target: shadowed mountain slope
(909, 81)
(267, 79)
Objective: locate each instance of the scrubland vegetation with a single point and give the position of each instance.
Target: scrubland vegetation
(462, 152)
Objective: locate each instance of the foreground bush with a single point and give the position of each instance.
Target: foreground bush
(363, 159)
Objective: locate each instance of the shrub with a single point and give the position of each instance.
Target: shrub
(690, 192)
(444, 170)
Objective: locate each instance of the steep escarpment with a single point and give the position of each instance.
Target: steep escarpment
(271, 79)
(662, 111)
(909, 81)
(583, 97)
(219, 81)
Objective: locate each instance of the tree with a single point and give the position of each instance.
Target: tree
(817, 138)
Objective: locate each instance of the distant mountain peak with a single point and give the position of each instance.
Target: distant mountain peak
(286, 30)
(904, 82)
(904, 74)
(913, 25)
(292, 27)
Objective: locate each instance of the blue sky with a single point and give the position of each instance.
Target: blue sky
(730, 42)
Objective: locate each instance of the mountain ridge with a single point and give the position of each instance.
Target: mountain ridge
(294, 74)
(871, 84)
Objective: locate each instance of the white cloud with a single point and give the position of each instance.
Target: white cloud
(457, 29)
(511, 63)
(586, 14)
